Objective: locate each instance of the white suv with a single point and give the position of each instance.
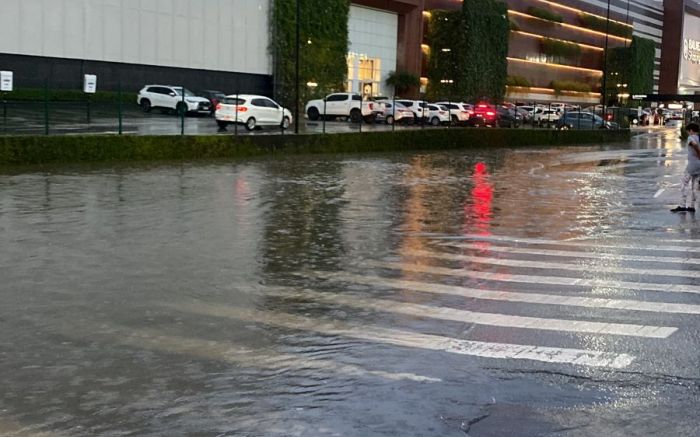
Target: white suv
(343, 105)
(252, 111)
(169, 98)
(418, 107)
(459, 112)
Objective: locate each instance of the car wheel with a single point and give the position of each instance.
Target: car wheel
(355, 116)
(145, 105)
(181, 109)
(313, 114)
(222, 125)
(435, 121)
(455, 120)
(250, 124)
(285, 123)
(563, 127)
(369, 119)
(389, 119)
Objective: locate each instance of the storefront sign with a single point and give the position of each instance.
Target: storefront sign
(690, 57)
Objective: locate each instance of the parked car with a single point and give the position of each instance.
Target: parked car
(342, 105)
(419, 108)
(581, 120)
(213, 96)
(438, 115)
(459, 112)
(484, 115)
(545, 117)
(397, 114)
(252, 111)
(524, 114)
(170, 99)
(508, 117)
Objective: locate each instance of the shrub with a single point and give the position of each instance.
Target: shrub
(599, 24)
(402, 80)
(570, 85)
(545, 14)
(560, 49)
(518, 81)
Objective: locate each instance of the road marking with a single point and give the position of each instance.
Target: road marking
(591, 244)
(551, 265)
(512, 296)
(478, 318)
(576, 254)
(535, 279)
(397, 337)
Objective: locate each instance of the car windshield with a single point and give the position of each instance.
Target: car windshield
(188, 93)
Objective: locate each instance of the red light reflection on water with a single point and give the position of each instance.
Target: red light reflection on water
(478, 208)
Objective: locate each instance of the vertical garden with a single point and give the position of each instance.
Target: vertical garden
(631, 69)
(468, 52)
(323, 29)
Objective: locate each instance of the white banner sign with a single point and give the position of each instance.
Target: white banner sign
(90, 84)
(5, 81)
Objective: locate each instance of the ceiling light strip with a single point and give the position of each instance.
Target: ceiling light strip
(533, 35)
(560, 66)
(568, 26)
(569, 8)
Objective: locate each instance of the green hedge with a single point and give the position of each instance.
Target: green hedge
(518, 81)
(32, 150)
(448, 45)
(323, 49)
(570, 85)
(545, 14)
(562, 51)
(633, 65)
(599, 24)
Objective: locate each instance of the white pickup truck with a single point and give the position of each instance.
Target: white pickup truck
(342, 105)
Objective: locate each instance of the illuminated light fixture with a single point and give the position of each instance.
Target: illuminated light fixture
(445, 50)
(569, 8)
(447, 81)
(533, 35)
(552, 90)
(569, 26)
(427, 14)
(311, 84)
(560, 66)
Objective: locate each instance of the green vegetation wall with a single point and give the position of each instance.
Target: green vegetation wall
(323, 26)
(634, 66)
(468, 51)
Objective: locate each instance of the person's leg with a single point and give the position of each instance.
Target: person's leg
(686, 188)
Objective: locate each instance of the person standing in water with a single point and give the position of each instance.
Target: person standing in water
(690, 177)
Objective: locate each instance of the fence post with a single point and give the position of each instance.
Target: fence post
(119, 106)
(393, 114)
(183, 109)
(323, 116)
(4, 110)
(235, 119)
(46, 107)
(88, 107)
(361, 104)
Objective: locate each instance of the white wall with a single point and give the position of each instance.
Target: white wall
(375, 34)
(224, 35)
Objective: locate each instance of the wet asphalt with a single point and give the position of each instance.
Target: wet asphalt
(528, 292)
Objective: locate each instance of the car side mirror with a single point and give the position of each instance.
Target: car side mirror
(172, 94)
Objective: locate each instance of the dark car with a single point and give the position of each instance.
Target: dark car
(581, 120)
(508, 117)
(213, 96)
(484, 115)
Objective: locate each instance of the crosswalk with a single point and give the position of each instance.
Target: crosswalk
(448, 279)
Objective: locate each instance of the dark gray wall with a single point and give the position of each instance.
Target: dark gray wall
(33, 71)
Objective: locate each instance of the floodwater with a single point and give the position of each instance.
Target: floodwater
(402, 294)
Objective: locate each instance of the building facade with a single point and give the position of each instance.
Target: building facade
(681, 48)
(196, 43)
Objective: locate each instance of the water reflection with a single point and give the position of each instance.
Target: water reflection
(188, 297)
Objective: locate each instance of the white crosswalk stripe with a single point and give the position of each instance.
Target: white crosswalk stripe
(576, 254)
(535, 279)
(479, 318)
(513, 296)
(415, 340)
(553, 265)
(575, 243)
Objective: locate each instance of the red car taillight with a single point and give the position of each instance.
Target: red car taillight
(371, 106)
(242, 108)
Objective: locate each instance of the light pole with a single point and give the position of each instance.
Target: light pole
(296, 71)
(605, 61)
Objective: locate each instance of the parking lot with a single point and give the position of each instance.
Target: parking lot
(66, 118)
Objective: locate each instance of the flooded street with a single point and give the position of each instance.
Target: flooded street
(520, 292)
